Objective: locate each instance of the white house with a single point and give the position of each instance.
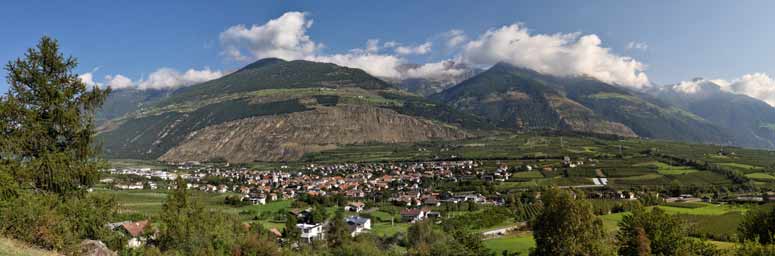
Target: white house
(354, 206)
(311, 232)
(358, 225)
(255, 199)
(414, 214)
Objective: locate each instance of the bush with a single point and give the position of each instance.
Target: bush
(53, 223)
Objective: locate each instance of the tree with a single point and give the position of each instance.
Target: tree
(567, 226)
(665, 233)
(48, 155)
(291, 232)
(758, 225)
(47, 122)
(187, 228)
(338, 232)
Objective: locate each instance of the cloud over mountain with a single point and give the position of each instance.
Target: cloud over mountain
(285, 37)
(558, 54)
(755, 85)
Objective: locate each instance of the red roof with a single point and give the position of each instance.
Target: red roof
(135, 228)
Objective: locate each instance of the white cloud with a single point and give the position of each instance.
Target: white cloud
(285, 37)
(424, 48)
(755, 85)
(557, 54)
(372, 45)
(169, 78)
(118, 81)
(442, 70)
(375, 64)
(390, 44)
(637, 46)
(455, 37)
(88, 79)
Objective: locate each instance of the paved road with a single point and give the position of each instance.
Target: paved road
(504, 230)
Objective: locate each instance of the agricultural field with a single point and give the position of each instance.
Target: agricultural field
(520, 243)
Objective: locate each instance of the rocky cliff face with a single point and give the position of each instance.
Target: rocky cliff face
(289, 136)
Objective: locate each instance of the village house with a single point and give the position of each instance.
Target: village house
(358, 225)
(354, 206)
(311, 232)
(414, 214)
(134, 231)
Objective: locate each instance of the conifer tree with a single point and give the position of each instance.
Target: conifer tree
(47, 122)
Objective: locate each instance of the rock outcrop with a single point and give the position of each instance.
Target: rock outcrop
(289, 136)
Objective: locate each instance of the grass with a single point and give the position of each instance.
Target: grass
(10, 247)
(761, 176)
(520, 243)
(528, 175)
(386, 229)
(666, 169)
(716, 227)
(740, 166)
(711, 209)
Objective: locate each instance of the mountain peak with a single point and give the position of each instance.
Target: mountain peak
(263, 63)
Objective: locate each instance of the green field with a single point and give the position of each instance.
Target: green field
(666, 169)
(761, 176)
(520, 243)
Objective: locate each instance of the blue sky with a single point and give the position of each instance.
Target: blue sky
(680, 39)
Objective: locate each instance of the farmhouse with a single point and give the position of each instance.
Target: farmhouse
(134, 231)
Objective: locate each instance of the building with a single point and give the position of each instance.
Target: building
(311, 232)
(358, 225)
(354, 206)
(413, 215)
(134, 231)
(256, 199)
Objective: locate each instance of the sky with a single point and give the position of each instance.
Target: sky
(154, 44)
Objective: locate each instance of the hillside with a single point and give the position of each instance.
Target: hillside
(127, 100)
(520, 98)
(284, 109)
(749, 121)
(10, 247)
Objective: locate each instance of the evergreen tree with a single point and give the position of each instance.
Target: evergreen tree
(47, 122)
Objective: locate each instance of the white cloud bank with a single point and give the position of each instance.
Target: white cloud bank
(163, 78)
(558, 54)
(756, 85)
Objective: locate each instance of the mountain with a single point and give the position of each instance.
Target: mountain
(520, 98)
(127, 100)
(425, 85)
(274, 110)
(749, 121)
